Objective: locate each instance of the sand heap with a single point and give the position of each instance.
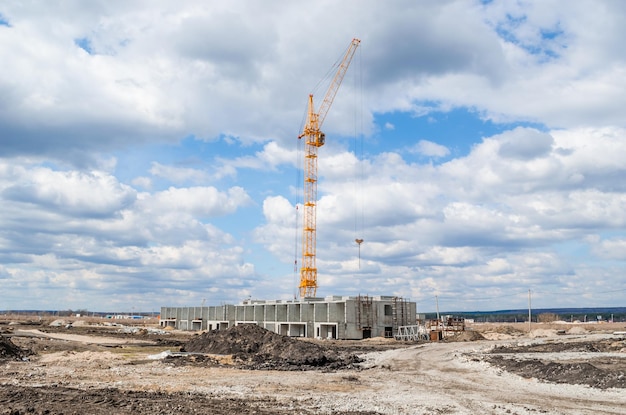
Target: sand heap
(466, 336)
(258, 348)
(9, 351)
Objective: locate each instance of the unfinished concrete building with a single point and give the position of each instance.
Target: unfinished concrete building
(333, 317)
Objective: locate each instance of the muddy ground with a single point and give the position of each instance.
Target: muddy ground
(97, 368)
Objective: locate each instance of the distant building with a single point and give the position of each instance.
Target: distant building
(333, 317)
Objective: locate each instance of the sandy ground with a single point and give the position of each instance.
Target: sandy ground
(106, 372)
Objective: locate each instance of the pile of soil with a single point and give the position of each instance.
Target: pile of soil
(601, 373)
(258, 348)
(607, 345)
(58, 400)
(581, 373)
(508, 330)
(9, 351)
(466, 336)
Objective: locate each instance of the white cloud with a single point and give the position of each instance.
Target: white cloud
(449, 255)
(178, 175)
(525, 144)
(614, 249)
(201, 201)
(143, 182)
(278, 233)
(430, 149)
(272, 156)
(68, 193)
(252, 87)
(85, 232)
(80, 128)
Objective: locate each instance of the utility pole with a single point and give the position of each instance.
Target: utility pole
(529, 312)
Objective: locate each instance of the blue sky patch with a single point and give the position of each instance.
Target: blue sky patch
(458, 130)
(85, 44)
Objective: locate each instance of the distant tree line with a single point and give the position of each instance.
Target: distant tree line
(541, 316)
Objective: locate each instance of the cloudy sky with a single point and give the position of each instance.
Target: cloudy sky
(149, 152)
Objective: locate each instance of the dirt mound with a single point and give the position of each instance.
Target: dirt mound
(577, 330)
(9, 351)
(258, 348)
(539, 333)
(596, 372)
(608, 345)
(59, 400)
(509, 330)
(581, 373)
(466, 336)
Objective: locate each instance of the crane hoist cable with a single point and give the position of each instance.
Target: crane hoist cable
(358, 152)
(314, 139)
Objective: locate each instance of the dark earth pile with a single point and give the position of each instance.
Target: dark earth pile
(9, 351)
(258, 348)
(601, 373)
(580, 373)
(607, 345)
(57, 400)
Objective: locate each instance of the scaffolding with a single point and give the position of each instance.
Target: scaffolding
(364, 315)
(399, 313)
(412, 333)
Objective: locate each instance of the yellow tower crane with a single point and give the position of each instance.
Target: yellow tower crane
(314, 139)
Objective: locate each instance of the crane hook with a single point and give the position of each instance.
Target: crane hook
(359, 242)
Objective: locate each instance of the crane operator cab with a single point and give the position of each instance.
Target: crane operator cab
(321, 140)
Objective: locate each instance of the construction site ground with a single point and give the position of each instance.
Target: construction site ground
(94, 366)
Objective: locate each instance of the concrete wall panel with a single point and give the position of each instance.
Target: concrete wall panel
(345, 318)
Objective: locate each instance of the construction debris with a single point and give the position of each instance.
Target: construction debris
(9, 351)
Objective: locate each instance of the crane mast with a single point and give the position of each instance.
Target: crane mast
(314, 139)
